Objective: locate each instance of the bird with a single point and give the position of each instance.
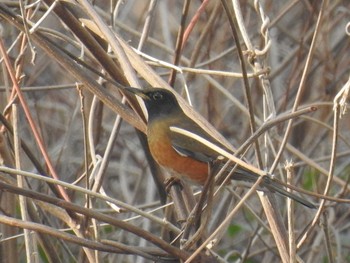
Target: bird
(186, 157)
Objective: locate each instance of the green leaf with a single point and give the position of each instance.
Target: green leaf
(234, 229)
(308, 178)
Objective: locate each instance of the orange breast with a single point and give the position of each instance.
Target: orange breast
(165, 155)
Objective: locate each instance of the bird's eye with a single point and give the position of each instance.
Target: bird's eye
(157, 96)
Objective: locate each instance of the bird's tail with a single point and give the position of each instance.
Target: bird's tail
(275, 187)
(269, 184)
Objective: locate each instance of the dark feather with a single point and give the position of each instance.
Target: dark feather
(186, 146)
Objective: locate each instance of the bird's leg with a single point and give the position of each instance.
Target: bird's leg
(171, 181)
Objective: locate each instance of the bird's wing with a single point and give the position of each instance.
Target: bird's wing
(187, 146)
(199, 156)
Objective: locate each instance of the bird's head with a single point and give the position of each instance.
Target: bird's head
(159, 102)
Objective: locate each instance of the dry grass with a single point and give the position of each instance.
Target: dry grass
(75, 180)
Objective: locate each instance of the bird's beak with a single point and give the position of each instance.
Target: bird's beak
(137, 92)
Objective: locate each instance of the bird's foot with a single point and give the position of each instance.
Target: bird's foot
(171, 181)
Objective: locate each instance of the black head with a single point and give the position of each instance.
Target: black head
(159, 102)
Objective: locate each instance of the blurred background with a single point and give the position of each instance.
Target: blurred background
(286, 72)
